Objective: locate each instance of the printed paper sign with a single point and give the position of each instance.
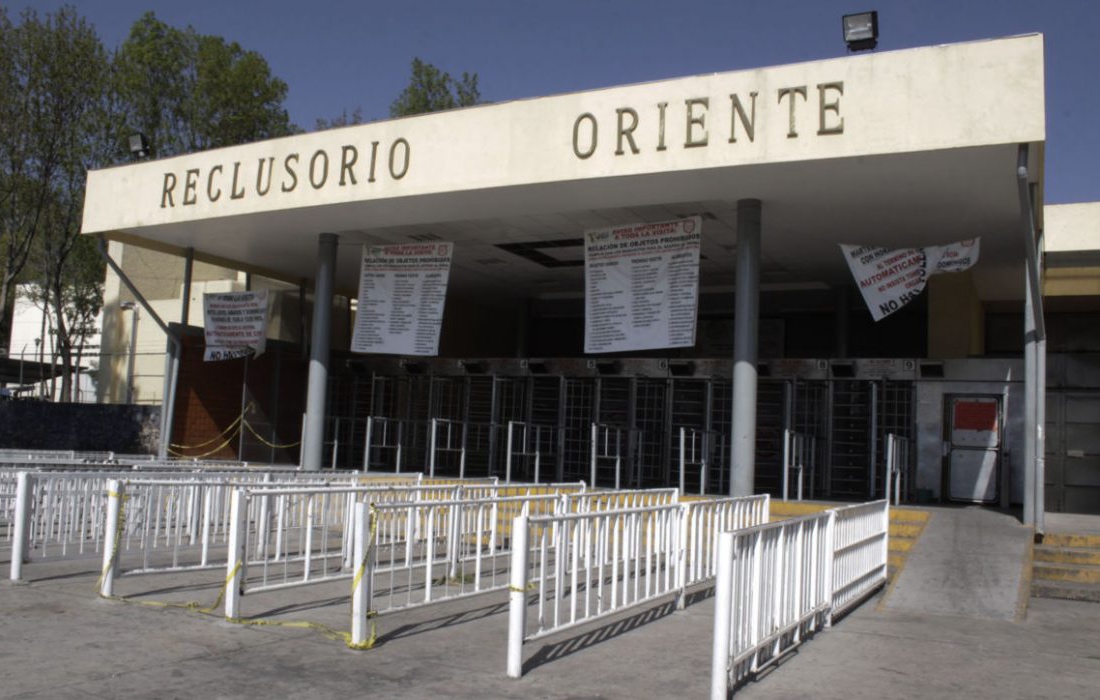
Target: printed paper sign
(402, 289)
(641, 286)
(236, 324)
(890, 279)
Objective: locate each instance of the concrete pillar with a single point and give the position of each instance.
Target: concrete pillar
(313, 433)
(745, 338)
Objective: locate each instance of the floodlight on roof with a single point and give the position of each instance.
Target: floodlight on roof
(861, 30)
(139, 145)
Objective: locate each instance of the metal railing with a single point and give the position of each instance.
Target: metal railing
(582, 566)
(779, 583)
(771, 591)
(62, 515)
(799, 456)
(860, 553)
(695, 452)
(426, 548)
(896, 477)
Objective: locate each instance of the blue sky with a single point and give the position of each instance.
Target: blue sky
(343, 54)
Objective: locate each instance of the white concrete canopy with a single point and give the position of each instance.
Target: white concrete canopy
(896, 149)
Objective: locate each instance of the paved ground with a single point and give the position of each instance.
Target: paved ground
(969, 561)
(61, 641)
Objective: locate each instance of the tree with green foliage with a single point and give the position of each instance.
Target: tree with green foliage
(188, 92)
(432, 90)
(67, 106)
(54, 74)
(345, 119)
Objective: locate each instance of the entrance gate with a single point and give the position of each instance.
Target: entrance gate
(646, 402)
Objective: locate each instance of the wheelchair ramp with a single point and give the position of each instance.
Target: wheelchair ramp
(969, 562)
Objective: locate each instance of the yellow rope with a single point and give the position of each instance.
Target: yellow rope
(220, 447)
(231, 427)
(270, 444)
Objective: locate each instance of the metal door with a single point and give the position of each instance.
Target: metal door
(974, 429)
(1073, 452)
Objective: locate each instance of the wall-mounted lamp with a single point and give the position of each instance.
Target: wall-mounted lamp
(861, 30)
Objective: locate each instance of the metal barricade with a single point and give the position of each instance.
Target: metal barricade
(703, 521)
(429, 546)
(779, 583)
(586, 565)
(593, 501)
(860, 553)
(771, 591)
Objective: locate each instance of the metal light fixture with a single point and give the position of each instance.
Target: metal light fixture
(861, 30)
(139, 146)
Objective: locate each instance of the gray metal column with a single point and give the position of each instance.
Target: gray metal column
(745, 338)
(1034, 353)
(313, 437)
(1031, 407)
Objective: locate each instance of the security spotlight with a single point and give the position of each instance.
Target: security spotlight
(139, 146)
(861, 30)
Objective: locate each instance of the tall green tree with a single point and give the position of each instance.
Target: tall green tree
(189, 92)
(433, 90)
(53, 73)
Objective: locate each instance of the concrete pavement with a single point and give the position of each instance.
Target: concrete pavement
(59, 640)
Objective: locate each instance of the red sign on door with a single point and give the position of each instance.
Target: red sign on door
(976, 415)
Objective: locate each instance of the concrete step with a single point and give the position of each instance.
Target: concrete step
(1066, 590)
(901, 545)
(1067, 555)
(1065, 539)
(1073, 573)
(909, 530)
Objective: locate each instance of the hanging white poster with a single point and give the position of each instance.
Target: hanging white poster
(402, 290)
(642, 286)
(235, 324)
(890, 279)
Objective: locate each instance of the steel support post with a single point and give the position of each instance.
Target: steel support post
(1031, 411)
(746, 323)
(313, 438)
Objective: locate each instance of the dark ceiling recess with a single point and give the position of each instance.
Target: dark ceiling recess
(534, 251)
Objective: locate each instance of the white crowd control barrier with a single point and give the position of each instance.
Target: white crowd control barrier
(528, 447)
(779, 583)
(799, 456)
(587, 565)
(896, 479)
(594, 501)
(178, 512)
(431, 543)
(860, 553)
